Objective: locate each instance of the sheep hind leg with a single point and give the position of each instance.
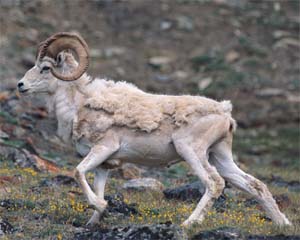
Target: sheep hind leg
(99, 186)
(214, 183)
(222, 159)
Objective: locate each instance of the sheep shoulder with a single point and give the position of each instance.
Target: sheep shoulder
(126, 105)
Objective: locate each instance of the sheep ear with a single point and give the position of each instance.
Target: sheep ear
(60, 59)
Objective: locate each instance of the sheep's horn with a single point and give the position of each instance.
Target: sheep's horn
(40, 47)
(63, 41)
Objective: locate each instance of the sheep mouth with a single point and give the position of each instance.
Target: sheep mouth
(23, 90)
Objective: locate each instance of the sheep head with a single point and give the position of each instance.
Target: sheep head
(55, 61)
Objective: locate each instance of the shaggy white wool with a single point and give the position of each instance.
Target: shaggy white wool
(131, 107)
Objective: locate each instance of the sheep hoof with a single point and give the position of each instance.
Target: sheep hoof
(100, 205)
(285, 222)
(94, 220)
(188, 223)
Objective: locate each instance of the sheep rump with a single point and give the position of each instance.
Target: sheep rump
(123, 104)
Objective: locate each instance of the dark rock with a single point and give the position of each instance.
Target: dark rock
(250, 202)
(23, 154)
(13, 204)
(27, 117)
(116, 204)
(19, 152)
(189, 192)
(224, 233)
(8, 152)
(193, 192)
(58, 181)
(283, 201)
(8, 203)
(5, 227)
(277, 237)
(145, 232)
(291, 185)
(23, 159)
(64, 180)
(13, 106)
(220, 204)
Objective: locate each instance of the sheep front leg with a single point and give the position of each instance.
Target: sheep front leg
(99, 186)
(96, 156)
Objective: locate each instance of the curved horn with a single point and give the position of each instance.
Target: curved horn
(40, 47)
(62, 41)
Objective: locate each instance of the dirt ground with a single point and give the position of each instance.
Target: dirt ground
(244, 51)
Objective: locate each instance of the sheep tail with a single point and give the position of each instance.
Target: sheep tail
(227, 108)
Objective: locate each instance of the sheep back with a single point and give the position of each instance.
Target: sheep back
(123, 104)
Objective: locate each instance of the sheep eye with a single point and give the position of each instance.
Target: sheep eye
(45, 68)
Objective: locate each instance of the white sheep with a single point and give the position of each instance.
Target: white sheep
(114, 122)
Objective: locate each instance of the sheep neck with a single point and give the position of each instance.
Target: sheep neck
(67, 99)
(64, 105)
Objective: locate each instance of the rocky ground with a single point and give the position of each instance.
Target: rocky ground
(245, 51)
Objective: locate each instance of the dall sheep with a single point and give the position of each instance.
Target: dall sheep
(111, 123)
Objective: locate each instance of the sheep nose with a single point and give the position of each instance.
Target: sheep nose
(20, 85)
